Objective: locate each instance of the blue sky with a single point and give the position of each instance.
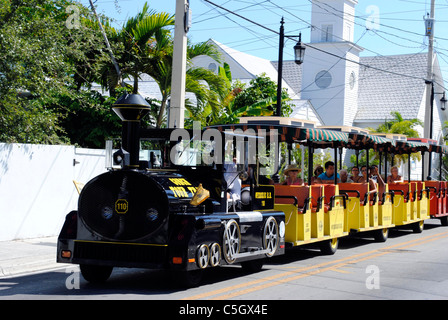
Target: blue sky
(401, 27)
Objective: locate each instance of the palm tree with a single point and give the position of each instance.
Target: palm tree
(400, 126)
(133, 47)
(204, 83)
(260, 104)
(145, 46)
(145, 40)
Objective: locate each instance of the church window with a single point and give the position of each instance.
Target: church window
(349, 32)
(323, 79)
(352, 80)
(212, 67)
(327, 33)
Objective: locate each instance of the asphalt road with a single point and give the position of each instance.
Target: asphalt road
(408, 266)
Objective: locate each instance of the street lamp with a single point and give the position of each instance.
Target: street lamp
(299, 54)
(299, 51)
(443, 101)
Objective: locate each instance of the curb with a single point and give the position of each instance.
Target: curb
(21, 257)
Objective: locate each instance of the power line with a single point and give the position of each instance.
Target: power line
(321, 50)
(221, 14)
(242, 17)
(362, 18)
(256, 34)
(359, 24)
(361, 79)
(337, 61)
(336, 36)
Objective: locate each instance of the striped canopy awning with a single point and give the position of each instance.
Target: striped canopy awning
(319, 138)
(325, 138)
(285, 133)
(322, 135)
(410, 147)
(322, 138)
(438, 149)
(431, 143)
(368, 140)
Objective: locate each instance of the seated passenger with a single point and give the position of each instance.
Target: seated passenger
(328, 175)
(344, 176)
(364, 177)
(317, 171)
(376, 182)
(394, 177)
(291, 172)
(355, 177)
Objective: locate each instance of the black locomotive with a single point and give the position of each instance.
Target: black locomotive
(163, 215)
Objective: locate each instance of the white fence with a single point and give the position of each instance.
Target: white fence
(37, 189)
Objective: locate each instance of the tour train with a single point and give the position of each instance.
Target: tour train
(173, 211)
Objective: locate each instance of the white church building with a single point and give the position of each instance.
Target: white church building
(337, 87)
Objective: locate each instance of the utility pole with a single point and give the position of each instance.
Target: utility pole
(280, 67)
(427, 129)
(299, 53)
(176, 108)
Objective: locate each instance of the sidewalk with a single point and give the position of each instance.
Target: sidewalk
(29, 255)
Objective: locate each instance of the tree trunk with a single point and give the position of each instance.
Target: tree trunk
(161, 111)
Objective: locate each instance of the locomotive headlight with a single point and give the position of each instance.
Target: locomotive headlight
(107, 213)
(152, 214)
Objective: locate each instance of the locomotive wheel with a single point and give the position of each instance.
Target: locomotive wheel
(202, 256)
(329, 247)
(381, 235)
(270, 236)
(95, 274)
(231, 241)
(417, 227)
(215, 255)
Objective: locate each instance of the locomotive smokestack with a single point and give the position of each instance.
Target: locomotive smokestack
(131, 108)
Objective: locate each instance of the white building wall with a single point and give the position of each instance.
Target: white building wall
(329, 101)
(341, 21)
(208, 63)
(349, 20)
(351, 92)
(437, 117)
(305, 111)
(37, 189)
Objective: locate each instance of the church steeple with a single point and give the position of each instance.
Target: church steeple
(332, 20)
(330, 74)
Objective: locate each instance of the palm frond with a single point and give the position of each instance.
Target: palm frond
(204, 49)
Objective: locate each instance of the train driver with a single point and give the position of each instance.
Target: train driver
(231, 175)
